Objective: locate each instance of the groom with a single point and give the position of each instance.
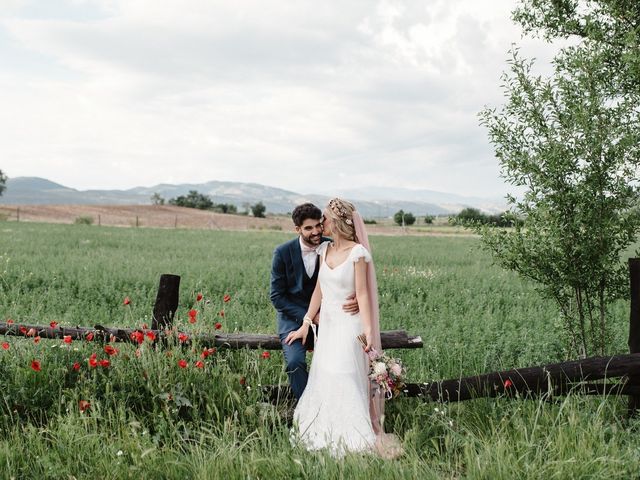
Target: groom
(294, 273)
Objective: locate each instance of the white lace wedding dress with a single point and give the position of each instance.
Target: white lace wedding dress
(333, 412)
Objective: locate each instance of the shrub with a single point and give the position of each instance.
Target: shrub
(83, 220)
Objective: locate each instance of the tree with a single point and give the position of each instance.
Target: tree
(193, 200)
(258, 210)
(428, 219)
(572, 144)
(403, 218)
(156, 199)
(3, 182)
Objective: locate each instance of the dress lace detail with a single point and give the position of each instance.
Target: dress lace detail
(333, 412)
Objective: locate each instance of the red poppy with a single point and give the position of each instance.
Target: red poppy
(36, 339)
(67, 339)
(199, 364)
(53, 324)
(5, 345)
(243, 381)
(83, 405)
(192, 316)
(9, 321)
(183, 337)
(208, 351)
(266, 355)
(137, 337)
(76, 366)
(23, 330)
(89, 337)
(508, 383)
(92, 360)
(221, 313)
(104, 363)
(35, 365)
(198, 297)
(226, 298)
(151, 336)
(110, 350)
(126, 301)
(182, 363)
(218, 325)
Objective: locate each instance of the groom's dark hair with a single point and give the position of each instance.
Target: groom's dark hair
(304, 211)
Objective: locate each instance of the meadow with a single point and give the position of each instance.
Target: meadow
(148, 417)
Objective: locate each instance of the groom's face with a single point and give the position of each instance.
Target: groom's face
(311, 231)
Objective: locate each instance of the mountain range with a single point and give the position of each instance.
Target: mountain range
(372, 202)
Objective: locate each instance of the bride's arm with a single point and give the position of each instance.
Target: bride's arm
(362, 295)
(314, 306)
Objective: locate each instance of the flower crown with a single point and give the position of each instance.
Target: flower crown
(338, 208)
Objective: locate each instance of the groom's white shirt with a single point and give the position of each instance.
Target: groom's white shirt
(309, 257)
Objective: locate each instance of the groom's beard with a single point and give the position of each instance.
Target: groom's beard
(312, 240)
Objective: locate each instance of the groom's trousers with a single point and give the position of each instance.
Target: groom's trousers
(295, 358)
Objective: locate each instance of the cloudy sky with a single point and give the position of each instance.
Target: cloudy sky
(309, 96)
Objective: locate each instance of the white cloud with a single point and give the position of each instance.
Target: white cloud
(304, 95)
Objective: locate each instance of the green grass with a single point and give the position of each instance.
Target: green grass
(149, 418)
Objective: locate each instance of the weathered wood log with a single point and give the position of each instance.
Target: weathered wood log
(390, 339)
(634, 327)
(554, 379)
(166, 301)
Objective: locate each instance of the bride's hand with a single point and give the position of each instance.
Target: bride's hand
(301, 334)
(369, 342)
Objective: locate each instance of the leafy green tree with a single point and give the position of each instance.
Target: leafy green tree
(428, 219)
(573, 146)
(193, 200)
(157, 199)
(403, 218)
(258, 210)
(3, 182)
(225, 208)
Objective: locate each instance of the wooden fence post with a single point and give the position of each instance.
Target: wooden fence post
(18, 214)
(166, 302)
(634, 327)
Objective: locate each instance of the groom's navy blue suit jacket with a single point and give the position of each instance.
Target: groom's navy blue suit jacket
(288, 293)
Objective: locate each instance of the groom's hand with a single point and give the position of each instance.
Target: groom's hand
(351, 305)
(301, 334)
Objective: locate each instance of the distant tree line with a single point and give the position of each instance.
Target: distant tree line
(3, 182)
(473, 216)
(194, 199)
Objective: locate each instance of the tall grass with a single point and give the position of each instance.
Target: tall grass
(150, 418)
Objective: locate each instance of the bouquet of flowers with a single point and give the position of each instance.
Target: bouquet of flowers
(385, 372)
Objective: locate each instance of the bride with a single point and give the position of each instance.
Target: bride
(339, 410)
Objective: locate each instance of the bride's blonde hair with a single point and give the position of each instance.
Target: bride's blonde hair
(341, 212)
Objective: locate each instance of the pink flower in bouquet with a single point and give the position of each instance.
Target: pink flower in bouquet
(396, 369)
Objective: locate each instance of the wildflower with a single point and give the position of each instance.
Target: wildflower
(104, 363)
(151, 336)
(198, 297)
(126, 301)
(83, 405)
(218, 325)
(508, 383)
(221, 313)
(226, 298)
(23, 330)
(93, 363)
(243, 381)
(5, 345)
(137, 337)
(182, 363)
(110, 350)
(76, 366)
(145, 326)
(89, 337)
(199, 364)
(266, 355)
(183, 337)
(9, 321)
(192, 316)
(67, 339)
(35, 365)
(208, 351)
(53, 324)
(36, 339)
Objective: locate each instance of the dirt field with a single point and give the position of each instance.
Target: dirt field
(168, 216)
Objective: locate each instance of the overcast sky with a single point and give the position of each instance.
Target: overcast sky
(310, 96)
